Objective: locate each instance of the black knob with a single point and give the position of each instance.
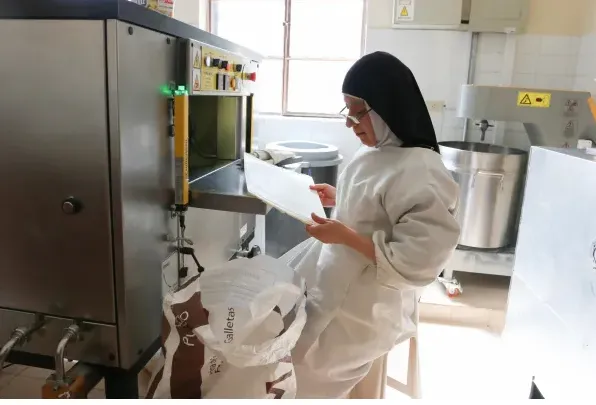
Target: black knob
(224, 64)
(238, 68)
(71, 206)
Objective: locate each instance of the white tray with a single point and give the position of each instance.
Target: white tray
(285, 190)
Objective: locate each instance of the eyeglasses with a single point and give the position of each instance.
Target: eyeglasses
(356, 117)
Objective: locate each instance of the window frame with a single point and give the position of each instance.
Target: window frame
(286, 58)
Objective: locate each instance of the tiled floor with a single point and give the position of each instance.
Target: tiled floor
(461, 363)
(461, 353)
(19, 382)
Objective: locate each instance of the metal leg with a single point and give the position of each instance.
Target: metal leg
(121, 384)
(535, 392)
(447, 274)
(124, 384)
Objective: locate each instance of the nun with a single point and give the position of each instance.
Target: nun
(392, 230)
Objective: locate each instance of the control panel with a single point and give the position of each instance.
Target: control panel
(215, 70)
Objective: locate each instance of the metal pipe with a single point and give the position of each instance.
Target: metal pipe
(72, 332)
(471, 74)
(16, 339)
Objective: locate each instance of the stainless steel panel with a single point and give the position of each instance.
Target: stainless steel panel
(53, 129)
(97, 343)
(545, 126)
(551, 314)
(140, 64)
(499, 263)
(217, 235)
(491, 182)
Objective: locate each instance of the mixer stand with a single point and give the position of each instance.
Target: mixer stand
(497, 262)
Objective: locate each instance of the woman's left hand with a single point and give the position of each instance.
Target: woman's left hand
(329, 231)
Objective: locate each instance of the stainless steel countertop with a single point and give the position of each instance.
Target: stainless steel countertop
(223, 188)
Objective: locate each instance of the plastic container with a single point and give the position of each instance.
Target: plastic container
(321, 162)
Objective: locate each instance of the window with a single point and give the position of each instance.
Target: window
(308, 46)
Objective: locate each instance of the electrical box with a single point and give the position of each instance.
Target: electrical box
(464, 15)
(498, 16)
(427, 14)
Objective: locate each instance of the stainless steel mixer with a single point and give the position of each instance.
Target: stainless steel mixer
(492, 177)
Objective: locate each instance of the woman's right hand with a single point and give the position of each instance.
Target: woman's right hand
(326, 193)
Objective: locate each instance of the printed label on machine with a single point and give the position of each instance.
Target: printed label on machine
(220, 71)
(196, 57)
(535, 100)
(569, 130)
(196, 80)
(405, 11)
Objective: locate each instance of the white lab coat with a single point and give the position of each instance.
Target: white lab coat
(405, 199)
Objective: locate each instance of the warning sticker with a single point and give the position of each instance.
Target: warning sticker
(405, 10)
(196, 80)
(196, 57)
(535, 100)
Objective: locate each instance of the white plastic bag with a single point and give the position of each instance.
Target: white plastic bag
(229, 333)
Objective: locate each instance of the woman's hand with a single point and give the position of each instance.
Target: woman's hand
(331, 231)
(326, 193)
(328, 231)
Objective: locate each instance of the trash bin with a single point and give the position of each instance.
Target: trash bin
(321, 162)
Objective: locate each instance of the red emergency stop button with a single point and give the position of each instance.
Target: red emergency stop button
(252, 76)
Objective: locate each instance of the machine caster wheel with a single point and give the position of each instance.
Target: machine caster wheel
(453, 287)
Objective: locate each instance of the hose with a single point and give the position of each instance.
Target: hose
(72, 332)
(16, 338)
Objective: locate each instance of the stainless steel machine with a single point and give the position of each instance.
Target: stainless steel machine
(554, 118)
(123, 132)
(491, 177)
(551, 312)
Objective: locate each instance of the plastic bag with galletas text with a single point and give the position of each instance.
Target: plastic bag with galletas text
(229, 333)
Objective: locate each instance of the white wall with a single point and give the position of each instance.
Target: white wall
(586, 65)
(439, 61)
(553, 53)
(193, 12)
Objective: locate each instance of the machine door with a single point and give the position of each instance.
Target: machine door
(55, 252)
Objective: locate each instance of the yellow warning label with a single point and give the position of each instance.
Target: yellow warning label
(404, 12)
(196, 84)
(535, 100)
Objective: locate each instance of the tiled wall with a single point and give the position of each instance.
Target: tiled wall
(439, 59)
(546, 61)
(585, 74)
